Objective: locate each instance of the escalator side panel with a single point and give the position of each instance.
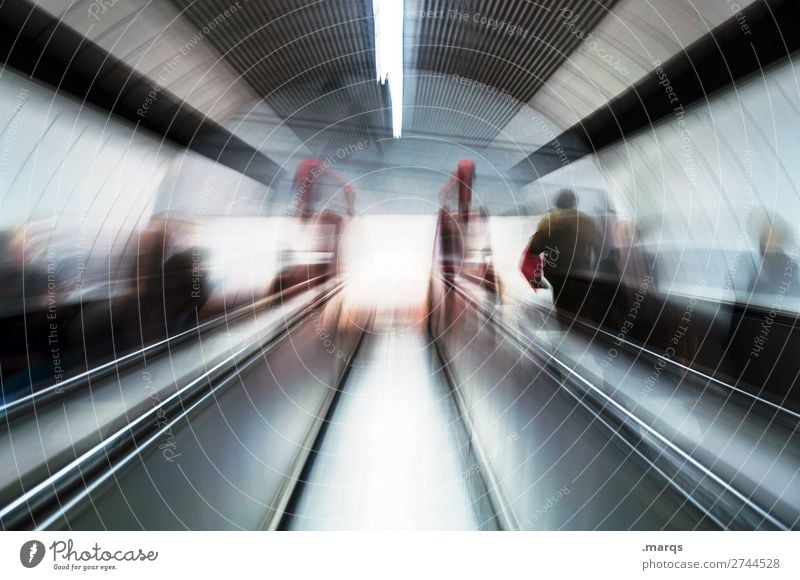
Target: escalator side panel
(225, 465)
(556, 466)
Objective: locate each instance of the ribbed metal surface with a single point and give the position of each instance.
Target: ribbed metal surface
(451, 38)
(315, 61)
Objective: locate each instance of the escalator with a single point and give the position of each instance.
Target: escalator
(598, 447)
(351, 420)
(395, 453)
(208, 434)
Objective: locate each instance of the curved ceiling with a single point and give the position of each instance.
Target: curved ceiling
(314, 61)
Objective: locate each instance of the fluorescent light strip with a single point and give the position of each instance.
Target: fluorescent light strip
(389, 54)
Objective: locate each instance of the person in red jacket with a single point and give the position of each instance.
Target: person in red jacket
(312, 180)
(461, 183)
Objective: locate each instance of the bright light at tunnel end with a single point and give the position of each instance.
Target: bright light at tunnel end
(389, 54)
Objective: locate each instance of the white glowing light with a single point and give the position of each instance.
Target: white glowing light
(389, 54)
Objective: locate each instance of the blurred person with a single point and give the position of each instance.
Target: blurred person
(320, 260)
(13, 352)
(320, 192)
(778, 271)
(764, 340)
(183, 278)
(460, 183)
(451, 239)
(570, 242)
(632, 262)
(311, 178)
(186, 288)
(451, 256)
(332, 227)
(11, 269)
(629, 267)
(606, 287)
(35, 346)
(479, 243)
(172, 280)
(142, 309)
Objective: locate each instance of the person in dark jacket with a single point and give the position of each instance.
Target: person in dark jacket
(570, 242)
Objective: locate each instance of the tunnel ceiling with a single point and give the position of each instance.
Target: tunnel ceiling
(514, 61)
(314, 62)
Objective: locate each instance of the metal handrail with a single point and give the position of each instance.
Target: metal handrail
(609, 402)
(187, 398)
(647, 353)
(56, 391)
